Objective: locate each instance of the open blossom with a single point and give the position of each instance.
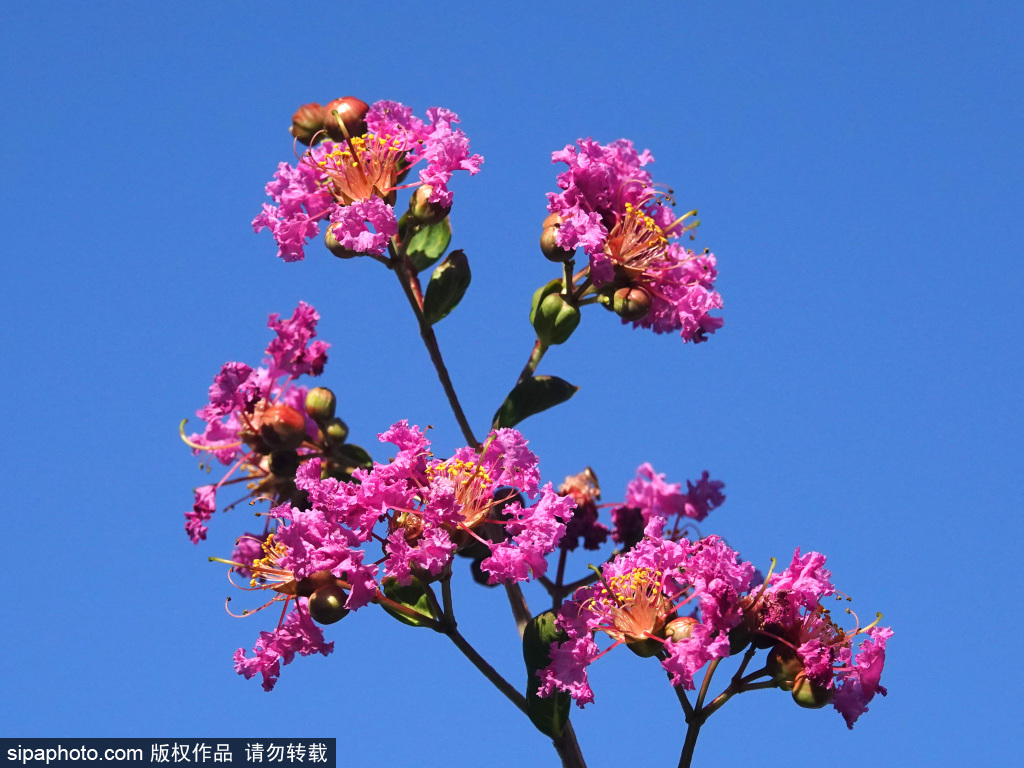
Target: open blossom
(637, 601)
(353, 182)
(649, 496)
(298, 634)
(610, 207)
(431, 508)
(253, 412)
(811, 654)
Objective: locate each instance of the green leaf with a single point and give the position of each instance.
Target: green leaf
(548, 714)
(536, 394)
(413, 596)
(354, 454)
(446, 288)
(429, 244)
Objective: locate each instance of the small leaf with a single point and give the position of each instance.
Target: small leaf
(413, 596)
(354, 454)
(428, 244)
(548, 714)
(536, 394)
(538, 635)
(446, 288)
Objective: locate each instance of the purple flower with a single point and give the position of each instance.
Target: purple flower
(610, 207)
(296, 635)
(351, 226)
(354, 182)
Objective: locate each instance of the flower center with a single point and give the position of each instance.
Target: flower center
(362, 167)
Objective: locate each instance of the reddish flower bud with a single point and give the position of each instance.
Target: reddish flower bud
(345, 117)
(281, 426)
(631, 303)
(307, 122)
(552, 250)
(681, 628)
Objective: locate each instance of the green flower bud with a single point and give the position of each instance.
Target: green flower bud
(345, 118)
(307, 122)
(555, 319)
(784, 667)
(337, 248)
(336, 431)
(424, 211)
(480, 576)
(810, 695)
(327, 604)
(307, 586)
(320, 404)
(552, 250)
(644, 648)
(681, 628)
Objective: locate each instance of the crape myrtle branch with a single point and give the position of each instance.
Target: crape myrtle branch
(340, 531)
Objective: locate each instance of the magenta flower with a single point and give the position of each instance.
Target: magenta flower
(636, 602)
(649, 496)
(811, 653)
(252, 412)
(297, 634)
(432, 508)
(859, 683)
(350, 226)
(611, 208)
(353, 183)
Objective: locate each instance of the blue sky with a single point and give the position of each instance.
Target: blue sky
(858, 176)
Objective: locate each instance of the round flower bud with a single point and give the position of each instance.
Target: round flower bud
(337, 248)
(552, 250)
(631, 303)
(644, 648)
(320, 404)
(327, 604)
(306, 586)
(307, 122)
(336, 431)
(555, 319)
(810, 695)
(281, 426)
(284, 463)
(345, 118)
(681, 628)
(784, 668)
(424, 211)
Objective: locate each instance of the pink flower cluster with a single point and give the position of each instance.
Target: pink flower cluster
(426, 509)
(248, 407)
(639, 601)
(353, 183)
(610, 207)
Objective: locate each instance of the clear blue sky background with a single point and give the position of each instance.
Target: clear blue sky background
(858, 170)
